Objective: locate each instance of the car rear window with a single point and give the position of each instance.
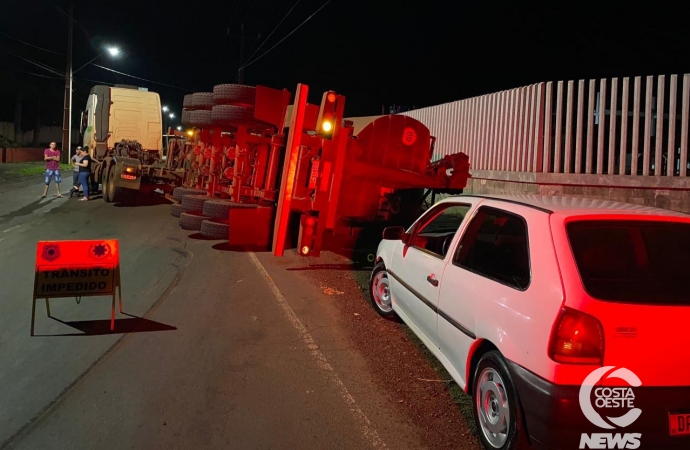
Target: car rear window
(644, 262)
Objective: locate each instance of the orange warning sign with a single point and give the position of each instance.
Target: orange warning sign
(77, 269)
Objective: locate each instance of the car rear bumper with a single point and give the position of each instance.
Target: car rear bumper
(553, 418)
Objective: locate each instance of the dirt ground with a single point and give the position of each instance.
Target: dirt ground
(413, 377)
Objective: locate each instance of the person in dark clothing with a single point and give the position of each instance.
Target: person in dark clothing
(84, 173)
(76, 158)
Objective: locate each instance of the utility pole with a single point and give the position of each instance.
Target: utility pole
(67, 118)
(240, 72)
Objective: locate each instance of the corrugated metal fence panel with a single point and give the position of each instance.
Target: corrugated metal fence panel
(499, 131)
(583, 127)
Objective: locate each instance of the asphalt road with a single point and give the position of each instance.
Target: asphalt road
(217, 349)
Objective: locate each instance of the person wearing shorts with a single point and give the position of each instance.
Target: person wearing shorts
(51, 156)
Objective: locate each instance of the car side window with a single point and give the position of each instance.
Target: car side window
(435, 235)
(495, 245)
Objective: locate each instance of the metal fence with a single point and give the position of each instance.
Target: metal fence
(628, 126)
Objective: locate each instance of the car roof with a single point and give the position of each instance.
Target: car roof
(571, 206)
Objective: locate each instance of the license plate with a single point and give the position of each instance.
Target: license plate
(679, 424)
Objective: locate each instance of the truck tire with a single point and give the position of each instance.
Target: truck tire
(230, 115)
(200, 119)
(187, 102)
(180, 191)
(179, 209)
(119, 195)
(186, 117)
(215, 229)
(195, 201)
(191, 220)
(201, 101)
(234, 94)
(176, 210)
(220, 209)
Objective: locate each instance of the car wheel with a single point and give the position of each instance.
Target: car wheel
(496, 407)
(380, 293)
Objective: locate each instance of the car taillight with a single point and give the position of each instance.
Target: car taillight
(577, 338)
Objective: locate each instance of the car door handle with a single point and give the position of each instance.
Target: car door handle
(432, 280)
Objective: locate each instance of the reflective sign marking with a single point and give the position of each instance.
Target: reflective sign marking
(409, 136)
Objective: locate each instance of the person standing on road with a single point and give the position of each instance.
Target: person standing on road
(75, 173)
(51, 156)
(84, 173)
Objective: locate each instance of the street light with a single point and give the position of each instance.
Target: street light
(165, 128)
(112, 51)
(179, 128)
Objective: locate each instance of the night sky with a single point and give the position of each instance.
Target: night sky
(418, 53)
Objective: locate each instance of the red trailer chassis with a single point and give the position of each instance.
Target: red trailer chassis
(311, 189)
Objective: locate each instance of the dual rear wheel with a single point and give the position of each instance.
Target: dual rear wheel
(111, 192)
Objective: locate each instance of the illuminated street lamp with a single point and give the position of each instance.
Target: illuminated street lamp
(112, 51)
(165, 109)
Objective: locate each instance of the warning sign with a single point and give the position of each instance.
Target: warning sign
(77, 269)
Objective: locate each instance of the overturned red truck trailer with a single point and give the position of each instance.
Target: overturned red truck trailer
(267, 174)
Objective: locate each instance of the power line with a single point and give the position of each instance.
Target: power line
(227, 33)
(64, 14)
(142, 79)
(96, 81)
(251, 8)
(288, 35)
(58, 9)
(30, 45)
(35, 63)
(34, 74)
(263, 25)
(274, 30)
(45, 76)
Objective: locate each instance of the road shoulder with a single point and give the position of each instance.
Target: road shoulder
(395, 382)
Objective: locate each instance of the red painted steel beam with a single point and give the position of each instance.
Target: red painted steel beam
(289, 170)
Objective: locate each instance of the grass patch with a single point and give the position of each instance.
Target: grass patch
(458, 396)
(39, 169)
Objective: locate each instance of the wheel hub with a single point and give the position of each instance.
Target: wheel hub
(381, 292)
(493, 409)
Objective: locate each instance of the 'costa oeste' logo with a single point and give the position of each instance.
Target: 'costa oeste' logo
(610, 397)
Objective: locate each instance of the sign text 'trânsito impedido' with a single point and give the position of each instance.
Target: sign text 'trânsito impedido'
(74, 281)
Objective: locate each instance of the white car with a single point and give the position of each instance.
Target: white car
(523, 298)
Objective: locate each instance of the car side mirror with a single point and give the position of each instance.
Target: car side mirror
(394, 234)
